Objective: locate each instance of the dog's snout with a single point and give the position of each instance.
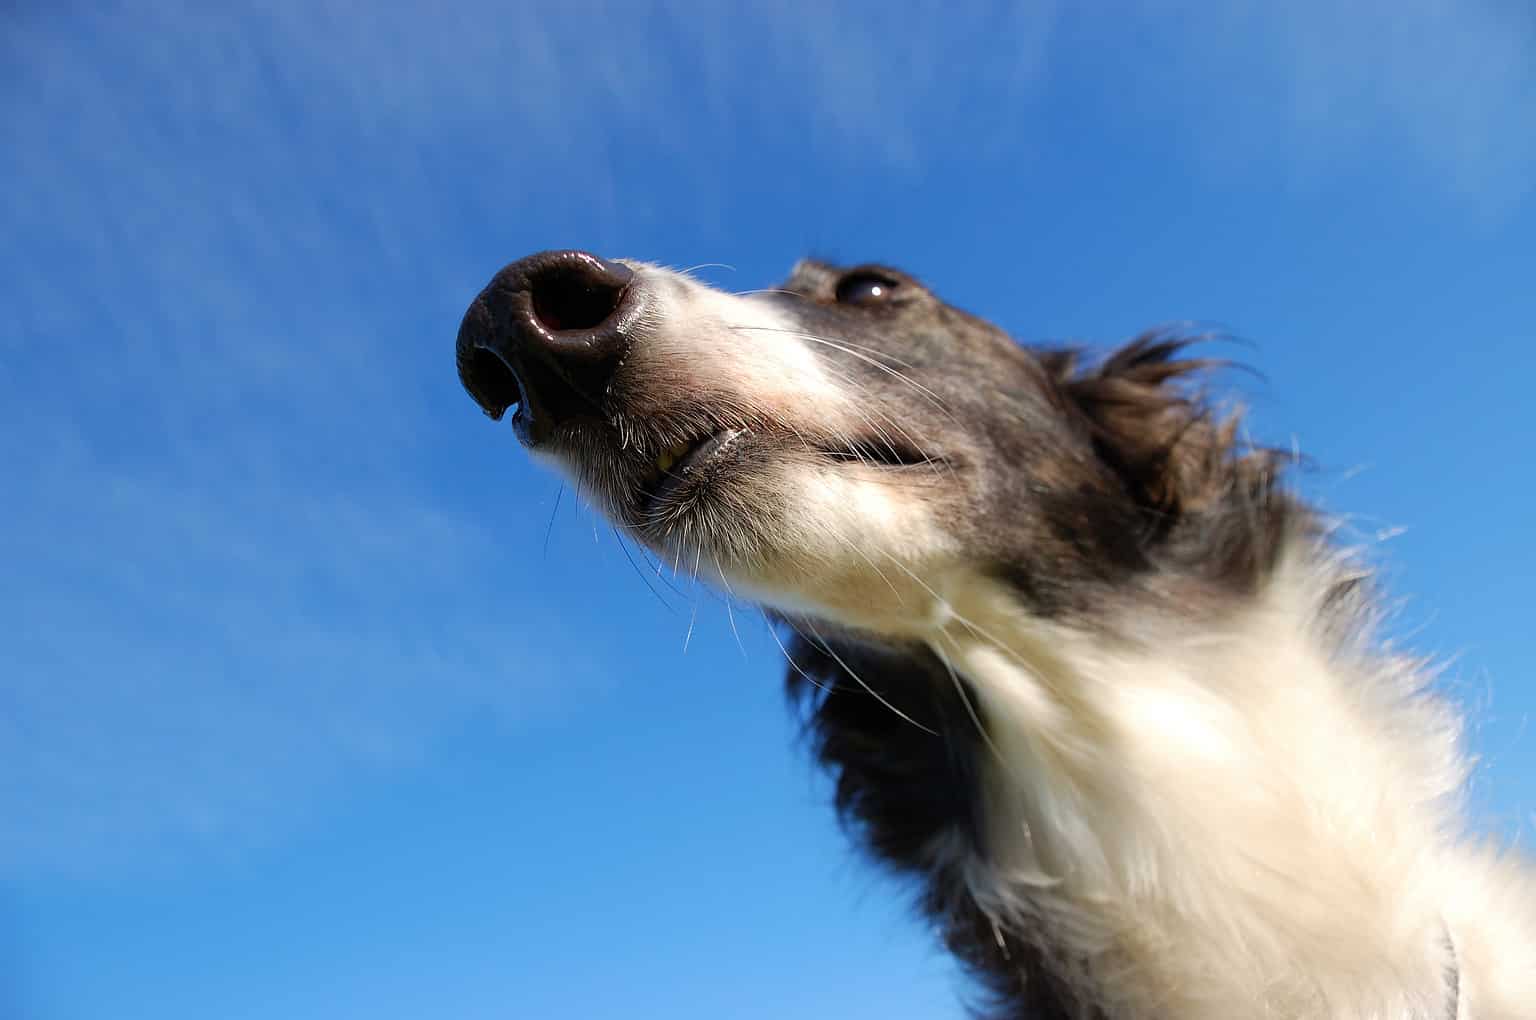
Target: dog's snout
(545, 336)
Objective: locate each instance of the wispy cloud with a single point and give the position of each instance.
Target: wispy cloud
(238, 554)
(230, 580)
(197, 651)
(1431, 89)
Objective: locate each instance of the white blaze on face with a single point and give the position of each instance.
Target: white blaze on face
(744, 344)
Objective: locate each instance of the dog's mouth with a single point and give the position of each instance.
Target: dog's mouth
(683, 470)
(683, 475)
(882, 452)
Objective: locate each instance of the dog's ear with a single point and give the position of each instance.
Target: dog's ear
(1148, 421)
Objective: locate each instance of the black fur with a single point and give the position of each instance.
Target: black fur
(901, 790)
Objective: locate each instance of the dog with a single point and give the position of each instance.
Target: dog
(1078, 660)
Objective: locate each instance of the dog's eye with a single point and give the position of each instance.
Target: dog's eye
(865, 289)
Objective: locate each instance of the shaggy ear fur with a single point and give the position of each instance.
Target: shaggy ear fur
(1156, 432)
(1209, 503)
(1158, 435)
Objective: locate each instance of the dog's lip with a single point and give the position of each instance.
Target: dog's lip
(684, 470)
(884, 452)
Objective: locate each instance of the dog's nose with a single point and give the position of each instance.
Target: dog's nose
(545, 336)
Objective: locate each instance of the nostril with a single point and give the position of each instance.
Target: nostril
(489, 381)
(546, 336)
(569, 297)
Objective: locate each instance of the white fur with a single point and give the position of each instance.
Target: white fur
(1248, 821)
(750, 345)
(856, 550)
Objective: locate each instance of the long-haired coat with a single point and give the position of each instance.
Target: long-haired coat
(1077, 659)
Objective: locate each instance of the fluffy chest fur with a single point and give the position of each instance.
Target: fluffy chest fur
(1252, 816)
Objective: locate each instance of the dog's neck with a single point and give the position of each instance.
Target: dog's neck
(1227, 783)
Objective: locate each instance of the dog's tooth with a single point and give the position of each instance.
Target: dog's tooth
(671, 456)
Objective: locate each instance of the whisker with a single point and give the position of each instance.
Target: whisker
(550, 528)
(728, 614)
(774, 631)
(972, 626)
(693, 618)
(852, 544)
(767, 290)
(874, 426)
(965, 699)
(646, 580)
(821, 642)
(850, 345)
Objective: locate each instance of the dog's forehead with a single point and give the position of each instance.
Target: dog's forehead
(807, 272)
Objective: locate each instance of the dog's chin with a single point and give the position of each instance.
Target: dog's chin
(720, 512)
(844, 544)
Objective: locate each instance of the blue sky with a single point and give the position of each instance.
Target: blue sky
(315, 702)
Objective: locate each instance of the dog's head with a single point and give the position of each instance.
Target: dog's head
(847, 445)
